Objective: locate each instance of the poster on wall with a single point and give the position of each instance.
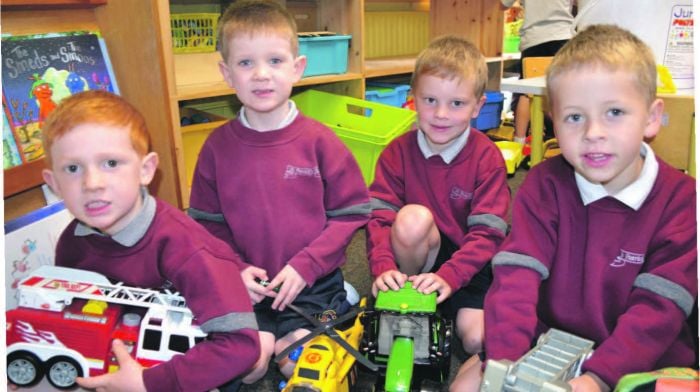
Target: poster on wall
(30, 242)
(678, 53)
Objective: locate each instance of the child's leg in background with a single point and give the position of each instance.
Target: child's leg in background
(286, 365)
(267, 347)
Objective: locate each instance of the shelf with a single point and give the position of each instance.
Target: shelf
(201, 71)
(46, 4)
(220, 88)
(389, 66)
(23, 177)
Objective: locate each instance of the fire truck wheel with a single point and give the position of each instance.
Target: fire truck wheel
(62, 372)
(24, 369)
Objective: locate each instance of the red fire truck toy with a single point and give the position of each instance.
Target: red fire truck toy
(66, 320)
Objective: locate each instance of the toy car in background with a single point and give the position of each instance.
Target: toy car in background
(408, 339)
(555, 359)
(327, 361)
(66, 320)
(512, 154)
(673, 379)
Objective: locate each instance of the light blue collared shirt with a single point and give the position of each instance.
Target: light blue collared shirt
(449, 153)
(634, 194)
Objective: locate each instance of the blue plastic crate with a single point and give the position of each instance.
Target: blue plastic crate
(490, 114)
(388, 94)
(325, 55)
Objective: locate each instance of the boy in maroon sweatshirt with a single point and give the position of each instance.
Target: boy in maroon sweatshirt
(603, 242)
(280, 188)
(440, 195)
(97, 149)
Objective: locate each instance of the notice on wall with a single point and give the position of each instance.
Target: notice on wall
(678, 54)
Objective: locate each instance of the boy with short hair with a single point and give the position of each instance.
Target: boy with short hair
(440, 194)
(280, 188)
(97, 148)
(603, 240)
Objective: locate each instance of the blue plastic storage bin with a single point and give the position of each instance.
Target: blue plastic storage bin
(490, 114)
(325, 55)
(387, 93)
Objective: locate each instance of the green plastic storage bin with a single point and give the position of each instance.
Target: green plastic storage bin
(365, 127)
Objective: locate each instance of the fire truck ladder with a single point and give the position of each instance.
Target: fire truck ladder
(49, 288)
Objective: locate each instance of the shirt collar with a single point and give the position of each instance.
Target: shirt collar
(135, 230)
(634, 194)
(291, 115)
(449, 153)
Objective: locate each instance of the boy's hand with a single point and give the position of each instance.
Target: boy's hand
(128, 378)
(389, 280)
(586, 383)
(290, 284)
(250, 277)
(430, 282)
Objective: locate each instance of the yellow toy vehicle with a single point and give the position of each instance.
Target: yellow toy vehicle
(326, 363)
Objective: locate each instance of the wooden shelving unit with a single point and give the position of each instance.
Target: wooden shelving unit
(159, 82)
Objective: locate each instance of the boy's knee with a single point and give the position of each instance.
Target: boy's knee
(470, 331)
(412, 224)
(259, 369)
(472, 343)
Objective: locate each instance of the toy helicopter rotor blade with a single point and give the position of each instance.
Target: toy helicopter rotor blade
(305, 314)
(297, 344)
(352, 351)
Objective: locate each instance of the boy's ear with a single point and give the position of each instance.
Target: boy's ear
(299, 67)
(149, 164)
(225, 72)
(656, 113)
(479, 104)
(50, 180)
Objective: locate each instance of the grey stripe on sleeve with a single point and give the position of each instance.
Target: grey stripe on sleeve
(520, 260)
(206, 216)
(231, 322)
(378, 204)
(357, 209)
(667, 289)
(489, 220)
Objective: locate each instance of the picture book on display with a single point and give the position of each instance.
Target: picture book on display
(38, 71)
(10, 153)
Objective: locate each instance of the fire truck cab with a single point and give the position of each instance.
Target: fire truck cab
(66, 321)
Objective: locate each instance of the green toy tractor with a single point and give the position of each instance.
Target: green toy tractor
(408, 339)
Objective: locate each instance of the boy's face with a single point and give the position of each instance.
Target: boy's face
(262, 69)
(99, 174)
(445, 107)
(600, 120)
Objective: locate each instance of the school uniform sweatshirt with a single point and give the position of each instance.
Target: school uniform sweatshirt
(624, 278)
(164, 248)
(292, 196)
(469, 199)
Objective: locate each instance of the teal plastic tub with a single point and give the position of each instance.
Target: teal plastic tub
(325, 54)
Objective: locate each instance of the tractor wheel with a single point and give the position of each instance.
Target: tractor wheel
(366, 381)
(62, 372)
(430, 386)
(24, 369)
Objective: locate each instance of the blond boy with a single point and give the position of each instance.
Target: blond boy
(280, 188)
(440, 194)
(603, 240)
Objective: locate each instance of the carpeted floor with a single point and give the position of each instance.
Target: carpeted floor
(356, 271)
